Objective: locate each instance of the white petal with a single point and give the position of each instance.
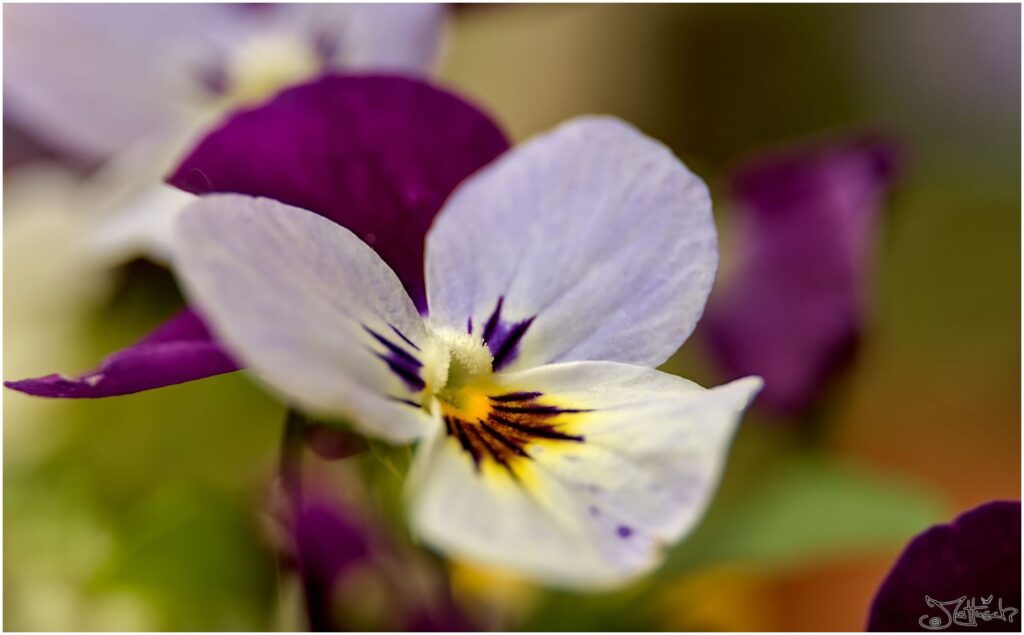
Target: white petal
(142, 225)
(295, 297)
(382, 37)
(595, 229)
(587, 513)
(94, 78)
(130, 211)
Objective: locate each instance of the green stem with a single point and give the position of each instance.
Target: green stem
(291, 456)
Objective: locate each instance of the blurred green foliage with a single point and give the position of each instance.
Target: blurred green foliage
(808, 509)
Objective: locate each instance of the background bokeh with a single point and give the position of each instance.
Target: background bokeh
(147, 511)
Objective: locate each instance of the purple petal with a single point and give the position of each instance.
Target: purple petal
(977, 556)
(806, 224)
(376, 154)
(179, 350)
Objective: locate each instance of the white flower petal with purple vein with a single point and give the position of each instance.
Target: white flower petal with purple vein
(638, 459)
(310, 308)
(591, 242)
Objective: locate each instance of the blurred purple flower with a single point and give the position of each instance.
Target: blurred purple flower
(131, 87)
(330, 544)
(976, 557)
(327, 545)
(793, 309)
(376, 154)
(92, 79)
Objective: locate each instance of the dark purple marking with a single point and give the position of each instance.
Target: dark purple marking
(496, 454)
(503, 337)
(400, 361)
(492, 322)
(546, 432)
(539, 409)
(503, 439)
(505, 436)
(406, 374)
(624, 531)
(460, 432)
(469, 325)
(515, 396)
(395, 348)
(404, 338)
(407, 402)
(507, 350)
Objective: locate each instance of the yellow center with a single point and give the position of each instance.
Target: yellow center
(264, 64)
(457, 367)
(494, 424)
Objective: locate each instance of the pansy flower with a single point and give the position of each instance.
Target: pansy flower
(136, 84)
(793, 308)
(556, 279)
(962, 576)
(377, 154)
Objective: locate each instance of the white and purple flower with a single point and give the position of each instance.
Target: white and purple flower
(556, 279)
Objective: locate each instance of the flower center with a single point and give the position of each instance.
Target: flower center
(496, 425)
(493, 424)
(457, 364)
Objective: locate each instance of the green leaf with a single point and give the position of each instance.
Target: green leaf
(810, 508)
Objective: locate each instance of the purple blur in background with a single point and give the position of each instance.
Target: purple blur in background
(793, 310)
(327, 545)
(376, 154)
(977, 556)
(330, 544)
